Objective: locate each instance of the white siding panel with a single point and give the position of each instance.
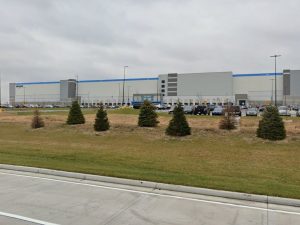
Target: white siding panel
(38, 92)
(258, 88)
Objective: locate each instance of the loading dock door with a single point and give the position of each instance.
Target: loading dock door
(242, 102)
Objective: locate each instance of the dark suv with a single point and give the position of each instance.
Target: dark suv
(200, 110)
(234, 110)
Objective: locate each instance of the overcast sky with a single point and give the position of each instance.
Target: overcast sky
(47, 40)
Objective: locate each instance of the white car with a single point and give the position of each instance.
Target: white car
(284, 111)
(159, 106)
(252, 112)
(8, 106)
(48, 106)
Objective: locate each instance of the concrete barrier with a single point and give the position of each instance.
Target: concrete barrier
(159, 186)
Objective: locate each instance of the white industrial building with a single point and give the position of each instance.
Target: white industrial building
(189, 88)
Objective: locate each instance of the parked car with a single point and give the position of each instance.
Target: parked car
(210, 108)
(48, 106)
(116, 107)
(161, 106)
(234, 110)
(188, 109)
(200, 110)
(59, 106)
(137, 105)
(19, 106)
(284, 111)
(218, 111)
(7, 106)
(252, 112)
(171, 110)
(298, 112)
(295, 107)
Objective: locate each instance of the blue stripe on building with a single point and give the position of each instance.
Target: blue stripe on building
(88, 81)
(30, 83)
(143, 79)
(256, 75)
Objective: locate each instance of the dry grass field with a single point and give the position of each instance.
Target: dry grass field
(212, 158)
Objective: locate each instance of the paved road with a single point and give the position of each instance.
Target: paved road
(39, 199)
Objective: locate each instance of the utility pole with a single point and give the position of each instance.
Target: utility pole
(275, 57)
(123, 101)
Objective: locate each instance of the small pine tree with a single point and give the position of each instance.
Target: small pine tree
(75, 114)
(147, 116)
(37, 121)
(228, 122)
(101, 121)
(178, 125)
(271, 126)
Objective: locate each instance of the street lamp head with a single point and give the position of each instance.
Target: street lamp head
(275, 56)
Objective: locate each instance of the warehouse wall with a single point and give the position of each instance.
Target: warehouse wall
(258, 87)
(90, 91)
(37, 92)
(295, 83)
(205, 84)
(111, 91)
(190, 88)
(197, 88)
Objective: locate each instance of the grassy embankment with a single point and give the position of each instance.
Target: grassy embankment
(236, 161)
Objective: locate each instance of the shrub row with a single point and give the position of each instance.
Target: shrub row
(270, 127)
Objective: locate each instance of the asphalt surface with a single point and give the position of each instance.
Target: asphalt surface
(27, 198)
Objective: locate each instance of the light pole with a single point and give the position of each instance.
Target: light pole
(77, 88)
(128, 90)
(275, 57)
(0, 90)
(24, 94)
(157, 92)
(123, 100)
(119, 96)
(272, 91)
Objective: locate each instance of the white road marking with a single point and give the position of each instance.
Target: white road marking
(155, 194)
(27, 219)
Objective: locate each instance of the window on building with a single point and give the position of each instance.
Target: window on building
(163, 81)
(162, 86)
(162, 90)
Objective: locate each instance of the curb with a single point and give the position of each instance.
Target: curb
(159, 186)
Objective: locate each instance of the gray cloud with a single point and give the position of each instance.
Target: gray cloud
(55, 39)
